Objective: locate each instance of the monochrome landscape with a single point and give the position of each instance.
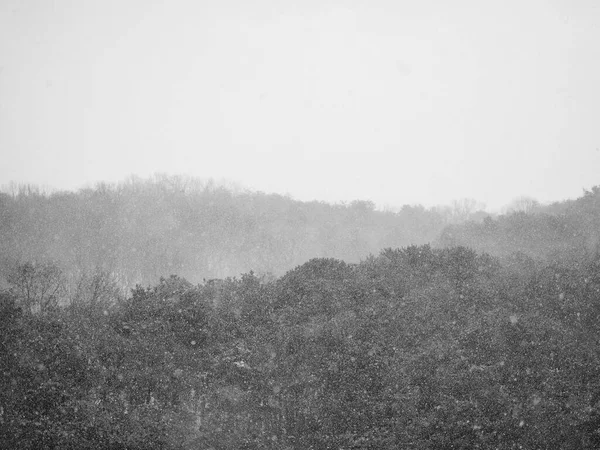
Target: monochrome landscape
(307, 225)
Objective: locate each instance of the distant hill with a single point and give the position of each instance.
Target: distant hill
(141, 230)
(569, 229)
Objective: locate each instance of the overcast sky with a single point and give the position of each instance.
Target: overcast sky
(393, 101)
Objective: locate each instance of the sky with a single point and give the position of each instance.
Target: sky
(398, 102)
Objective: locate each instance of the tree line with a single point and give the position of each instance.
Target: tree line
(142, 229)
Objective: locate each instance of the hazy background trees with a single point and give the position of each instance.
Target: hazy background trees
(142, 229)
(568, 229)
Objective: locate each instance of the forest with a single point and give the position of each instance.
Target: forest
(173, 314)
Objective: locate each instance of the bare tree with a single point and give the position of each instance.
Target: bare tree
(524, 204)
(96, 290)
(465, 209)
(39, 286)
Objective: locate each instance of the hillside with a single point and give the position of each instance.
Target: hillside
(415, 347)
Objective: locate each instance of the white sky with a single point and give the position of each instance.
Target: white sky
(394, 101)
